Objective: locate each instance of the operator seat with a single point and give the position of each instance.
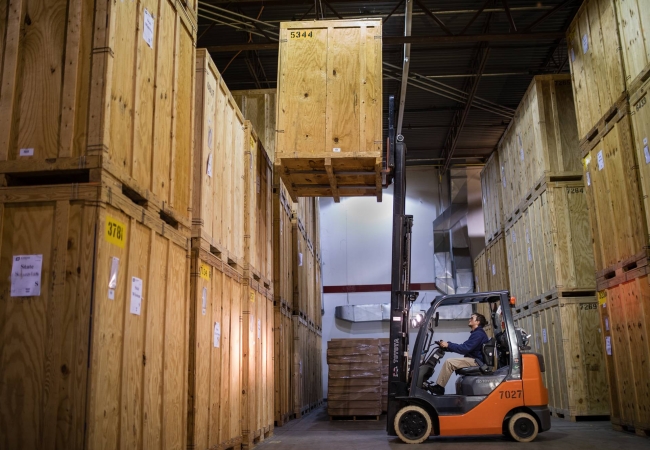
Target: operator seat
(489, 352)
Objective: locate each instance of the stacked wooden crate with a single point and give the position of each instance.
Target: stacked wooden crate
(610, 85)
(95, 271)
(491, 190)
(384, 349)
(329, 128)
(215, 366)
(258, 106)
(355, 378)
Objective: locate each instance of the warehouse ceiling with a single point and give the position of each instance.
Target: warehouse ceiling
(470, 63)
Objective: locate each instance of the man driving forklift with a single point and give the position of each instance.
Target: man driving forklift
(471, 349)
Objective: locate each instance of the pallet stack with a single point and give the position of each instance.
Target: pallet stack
(355, 378)
(95, 267)
(610, 85)
(547, 245)
(384, 348)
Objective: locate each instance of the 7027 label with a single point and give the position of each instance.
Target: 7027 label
(115, 232)
(305, 34)
(511, 394)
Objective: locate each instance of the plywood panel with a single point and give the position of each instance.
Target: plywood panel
(259, 106)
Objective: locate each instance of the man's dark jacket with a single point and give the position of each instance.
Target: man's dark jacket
(472, 347)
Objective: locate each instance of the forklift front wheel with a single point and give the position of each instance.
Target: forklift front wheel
(413, 424)
(523, 427)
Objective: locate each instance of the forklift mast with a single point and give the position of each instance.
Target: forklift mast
(401, 295)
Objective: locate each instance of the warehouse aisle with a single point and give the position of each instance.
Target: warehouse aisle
(316, 432)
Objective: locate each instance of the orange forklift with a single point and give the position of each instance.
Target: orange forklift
(506, 395)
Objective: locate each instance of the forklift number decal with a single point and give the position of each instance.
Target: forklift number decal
(511, 394)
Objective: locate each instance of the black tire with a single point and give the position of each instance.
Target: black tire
(522, 427)
(413, 424)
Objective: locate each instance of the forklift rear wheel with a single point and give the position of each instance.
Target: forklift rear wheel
(522, 427)
(413, 424)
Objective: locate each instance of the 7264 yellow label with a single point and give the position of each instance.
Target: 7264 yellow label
(304, 34)
(115, 232)
(204, 272)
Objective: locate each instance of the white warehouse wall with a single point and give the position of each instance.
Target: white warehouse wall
(356, 241)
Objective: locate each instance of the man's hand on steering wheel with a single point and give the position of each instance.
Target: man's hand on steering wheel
(444, 344)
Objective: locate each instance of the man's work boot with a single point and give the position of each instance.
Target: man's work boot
(435, 389)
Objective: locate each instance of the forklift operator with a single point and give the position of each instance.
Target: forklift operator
(471, 350)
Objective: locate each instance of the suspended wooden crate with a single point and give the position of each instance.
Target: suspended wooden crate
(549, 245)
(283, 360)
(258, 243)
(329, 108)
(257, 399)
(219, 134)
(567, 332)
(541, 143)
(282, 246)
(596, 65)
(214, 362)
(491, 187)
(616, 211)
(110, 86)
(98, 358)
(258, 106)
(625, 321)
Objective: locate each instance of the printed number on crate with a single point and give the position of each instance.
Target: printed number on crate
(301, 34)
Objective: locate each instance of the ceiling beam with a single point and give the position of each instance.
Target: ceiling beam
(547, 15)
(513, 27)
(434, 17)
(401, 40)
(473, 19)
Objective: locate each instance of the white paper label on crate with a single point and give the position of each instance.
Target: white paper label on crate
(26, 152)
(530, 254)
(514, 236)
(336, 150)
(646, 152)
(136, 296)
(209, 168)
(588, 179)
(521, 153)
(573, 55)
(608, 345)
(606, 323)
(216, 339)
(585, 43)
(210, 138)
(300, 259)
(601, 160)
(527, 237)
(147, 34)
(259, 329)
(494, 269)
(204, 301)
(544, 334)
(26, 275)
(112, 278)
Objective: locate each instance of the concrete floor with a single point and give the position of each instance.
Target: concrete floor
(315, 431)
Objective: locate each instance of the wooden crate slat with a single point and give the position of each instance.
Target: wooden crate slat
(258, 106)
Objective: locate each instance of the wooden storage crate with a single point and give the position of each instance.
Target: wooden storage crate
(616, 211)
(306, 384)
(640, 121)
(633, 18)
(480, 273)
(541, 144)
(497, 265)
(283, 359)
(258, 106)
(625, 321)
(257, 399)
(491, 187)
(549, 245)
(99, 358)
(329, 108)
(596, 64)
(214, 363)
(567, 332)
(304, 265)
(218, 201)
(102, 96)
(258, 242)
(282, 246)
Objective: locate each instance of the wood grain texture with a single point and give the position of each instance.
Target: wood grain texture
(633, 20)
(491, 189)
(259, 106)
(640, 121)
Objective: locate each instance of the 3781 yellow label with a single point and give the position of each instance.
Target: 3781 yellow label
(115, 232)
(304, 34)
(204, 272)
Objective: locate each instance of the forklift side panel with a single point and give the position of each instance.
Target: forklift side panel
(536, 392)
(487, 417)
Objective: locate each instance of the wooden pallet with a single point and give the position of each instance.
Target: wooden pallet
(356, 418)
(324, 175)
(219, 252)
(611, 117)
(639, 431)
(565, 414)
(232, 444)
(553, 295)
(627, 270)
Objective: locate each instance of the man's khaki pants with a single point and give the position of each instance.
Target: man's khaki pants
(453, 364)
